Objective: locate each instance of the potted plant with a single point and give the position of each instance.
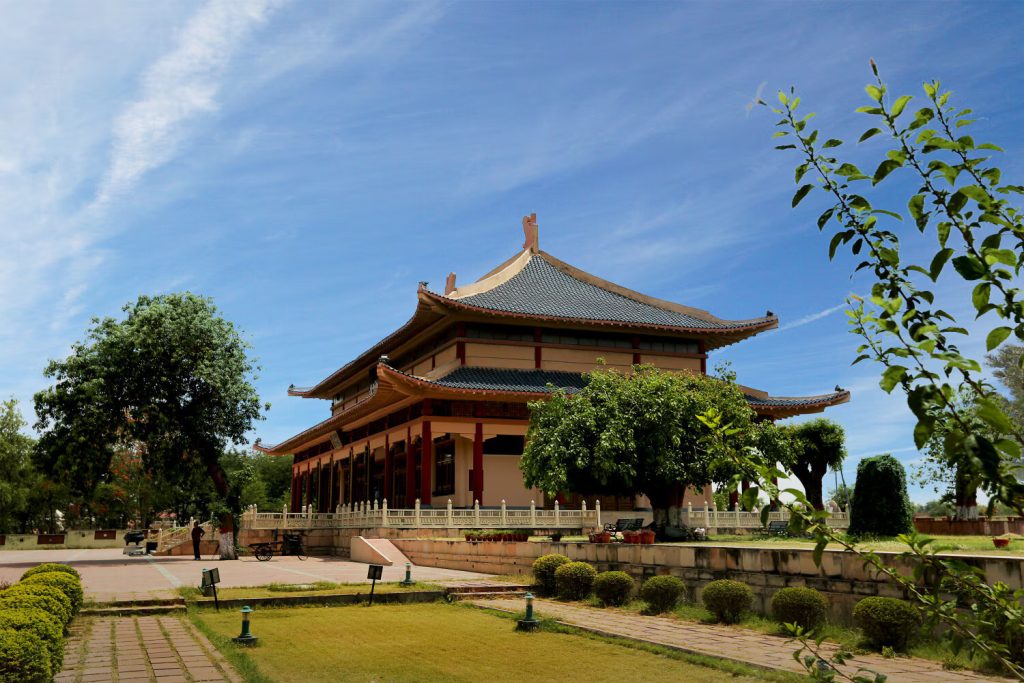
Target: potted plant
(631, 536)
(1000, 542)
(556, 536)
(604, 537)
(647, 536)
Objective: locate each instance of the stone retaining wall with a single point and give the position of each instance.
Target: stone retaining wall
(983, 526)
(841, 576)
(71, 540)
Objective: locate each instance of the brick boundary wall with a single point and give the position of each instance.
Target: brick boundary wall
(982, 526)
(842, 576)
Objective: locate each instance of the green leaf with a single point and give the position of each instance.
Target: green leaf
(989, 145)
(765, 511)
(990, 412)
(847, 170)
(997, 337)
(942, 230)
(884, 169)
(956, 203)
(899, 105)
(1005, 256)
(938, 262)
(832, 142)
(976, 193)
(823, 218)
(923, 431)
(837, 239)
(801, 193)
(869, 133)
(874, 92)
(891, 377)
(800, 171)
(980, 295)
(868, 110)
(969, 267)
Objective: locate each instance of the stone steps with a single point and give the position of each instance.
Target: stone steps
(133, 610)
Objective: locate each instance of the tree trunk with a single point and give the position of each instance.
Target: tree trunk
(966, 494)
(811, 477)
(226, 523)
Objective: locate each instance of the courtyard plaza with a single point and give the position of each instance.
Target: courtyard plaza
(110, 576)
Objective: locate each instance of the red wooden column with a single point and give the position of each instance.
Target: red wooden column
(734, 500)
(389, 471)
(410, 470)
(296, 480)
(478, 463)
(426, 460)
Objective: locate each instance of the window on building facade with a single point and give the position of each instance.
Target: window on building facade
(669, 346)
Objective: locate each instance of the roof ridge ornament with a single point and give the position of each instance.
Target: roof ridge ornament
(531, 233)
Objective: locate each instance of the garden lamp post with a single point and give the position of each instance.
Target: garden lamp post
(245, 637)
(407, 581)
(529, 623)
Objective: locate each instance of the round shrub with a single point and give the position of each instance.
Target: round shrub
(544, 571)
(70, 585)
(727, 599)
(46, 598)
(41, 623)
(886, 622)
(23, 658)
(574, 580)
(613, 588)
(51, 567)
(804, 607)
(662, 593)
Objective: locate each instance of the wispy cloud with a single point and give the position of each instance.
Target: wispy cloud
(810, 318)
(179, 87)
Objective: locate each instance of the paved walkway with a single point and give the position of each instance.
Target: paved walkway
(110, 576)
(160, 649)
(738, 644)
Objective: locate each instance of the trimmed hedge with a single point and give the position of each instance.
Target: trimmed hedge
(880, 505)
(886, 622)
(67, 583)
(574, 580)
(662, 593)
(544, 571)
(24, 658)
(804, 607)
(43, 624)
(727, 599)
(613, 588)
(46, 598)
(51, 567)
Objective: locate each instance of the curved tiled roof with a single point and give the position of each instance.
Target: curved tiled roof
(541, 289)
(545, 381)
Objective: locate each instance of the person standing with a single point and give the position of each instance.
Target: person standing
(197, 535)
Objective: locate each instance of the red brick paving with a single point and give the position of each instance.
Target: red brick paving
(109, 576)
(734, 643)
(129, 649)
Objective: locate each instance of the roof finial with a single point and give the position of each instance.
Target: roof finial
(531, 233)
(449, 284)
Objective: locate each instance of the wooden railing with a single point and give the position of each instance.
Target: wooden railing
(417, 517)
(715, 519)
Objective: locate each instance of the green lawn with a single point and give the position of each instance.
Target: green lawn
(440, 642)
(277, 590)
(951, 544)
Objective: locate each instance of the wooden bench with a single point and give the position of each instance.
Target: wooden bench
(625, 524)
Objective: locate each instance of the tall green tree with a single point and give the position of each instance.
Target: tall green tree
(881, 506)
(16, 472)
(173, 376)
(632, 434)
(807, 450)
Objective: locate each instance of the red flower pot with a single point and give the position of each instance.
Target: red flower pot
(647, 537)
(1001, 542)
(604, 537)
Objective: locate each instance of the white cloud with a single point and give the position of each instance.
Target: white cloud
(810, 318)
(179, 87)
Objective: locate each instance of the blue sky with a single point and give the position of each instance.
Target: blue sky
(306, 164)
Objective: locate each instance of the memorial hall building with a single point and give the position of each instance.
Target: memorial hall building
(437, 410)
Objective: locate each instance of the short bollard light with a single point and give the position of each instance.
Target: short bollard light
(245, 637)
(407, 581)
(529, 623)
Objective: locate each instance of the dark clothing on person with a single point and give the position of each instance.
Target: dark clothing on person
(197, 536)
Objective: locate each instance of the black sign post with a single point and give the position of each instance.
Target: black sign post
(211, 577)
(374, 573)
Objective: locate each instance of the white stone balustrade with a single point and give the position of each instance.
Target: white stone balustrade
(371, 516)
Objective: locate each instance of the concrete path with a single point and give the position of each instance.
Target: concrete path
(726, 642)
(164, 650)
(109, 576)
